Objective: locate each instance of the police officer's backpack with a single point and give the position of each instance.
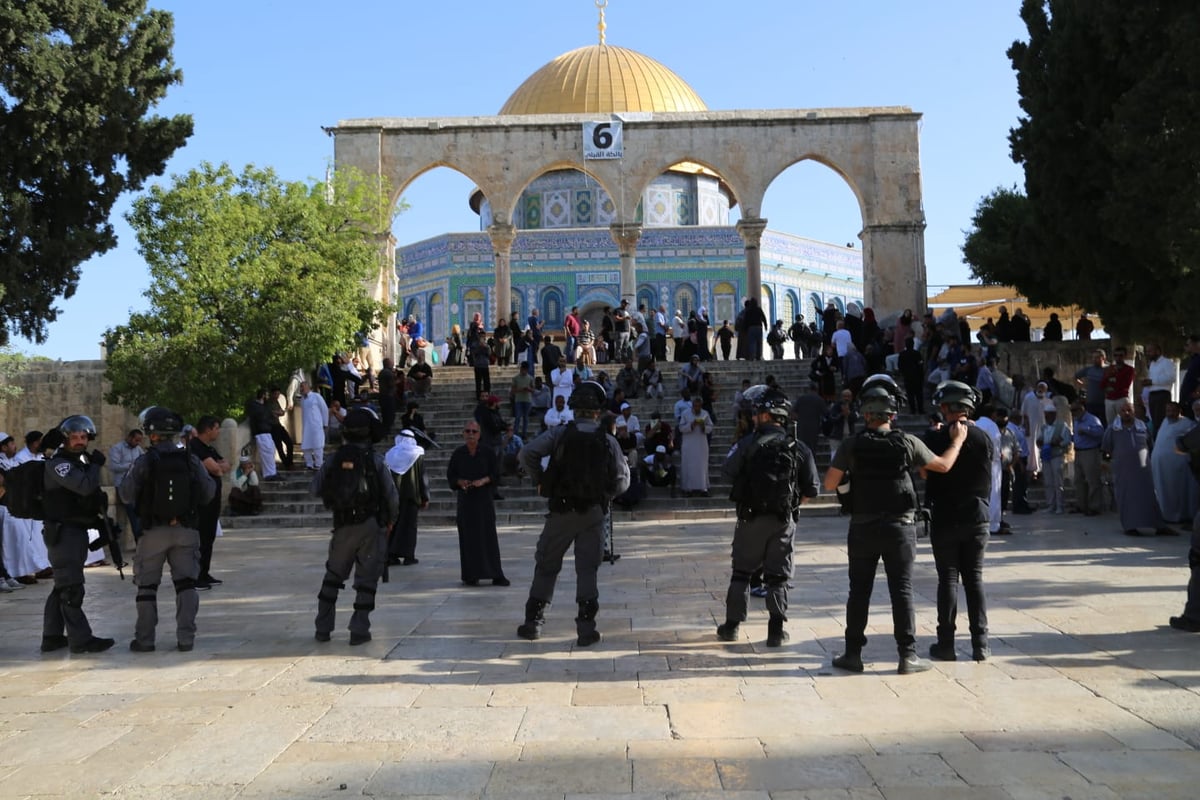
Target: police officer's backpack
(767, 481)
(350, 488)
(25, 490)
(578, 468)
(169, 492)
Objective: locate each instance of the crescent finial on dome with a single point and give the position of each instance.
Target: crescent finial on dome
(601, 4)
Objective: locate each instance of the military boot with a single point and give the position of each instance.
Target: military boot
(942, 651)
(535, 618)
(776, 635)
(585, 623)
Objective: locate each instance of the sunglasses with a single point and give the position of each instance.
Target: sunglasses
(470, 430)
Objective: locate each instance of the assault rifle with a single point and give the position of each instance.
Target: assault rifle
(110, 537)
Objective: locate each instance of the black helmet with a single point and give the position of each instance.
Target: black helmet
(587, 396)
(77, 424)
(750, 397)
(773, 401)
(160, 420)
(956, 393)
(879, 395)
(362, 424)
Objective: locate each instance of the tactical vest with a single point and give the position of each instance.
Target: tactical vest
(956, 496)
(879, 474)
(577, 475)
(63, 505)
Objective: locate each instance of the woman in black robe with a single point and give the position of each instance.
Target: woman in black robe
(472, 473)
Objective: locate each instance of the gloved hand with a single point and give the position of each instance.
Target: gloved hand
(97, 458)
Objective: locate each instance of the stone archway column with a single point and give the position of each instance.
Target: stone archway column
(751, 231)
(386, 345)
(502, 235)
(627, 235)
(894, 268)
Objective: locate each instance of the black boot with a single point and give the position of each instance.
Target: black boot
(535, 618)
(851, 660)
(776, 635)
(585, 623)
(942, 651)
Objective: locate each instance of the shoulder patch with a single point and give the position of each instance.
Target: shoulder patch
(63, 469)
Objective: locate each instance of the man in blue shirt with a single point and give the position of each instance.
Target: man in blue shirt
(1089, 430)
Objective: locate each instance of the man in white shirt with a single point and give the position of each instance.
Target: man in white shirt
(314, 417)
(841, 341)
(1163, 373)
(559, 414)
(632, 422)
(658, 347)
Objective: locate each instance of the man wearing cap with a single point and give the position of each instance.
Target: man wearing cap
(960, 504)
(657, 469)
(631, 420)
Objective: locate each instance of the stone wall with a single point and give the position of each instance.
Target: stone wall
(53, 390)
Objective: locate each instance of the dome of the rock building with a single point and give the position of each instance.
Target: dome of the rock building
(602, 79)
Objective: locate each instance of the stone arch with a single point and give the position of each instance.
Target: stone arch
(649, 295)
(436, 326)
(474, 301)
(412, 307)
(767, 302)
(790, 307)
(725, 303)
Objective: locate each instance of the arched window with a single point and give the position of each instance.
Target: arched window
(474, 302)
(685, 298)
(768, 304)
(412, 308)
(435, 325)
(854, 307)
(791, 304)
(724, 303)
(648, 297)
(517, 304)
(552, 308)
(815, 307)
(840, 304)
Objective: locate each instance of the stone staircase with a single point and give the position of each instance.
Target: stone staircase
(288, 503)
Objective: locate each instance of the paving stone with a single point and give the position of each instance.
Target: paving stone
(620, 722)
(579, 776)
(910, 769)
(771, 774)
(409, 778)
(676, 774)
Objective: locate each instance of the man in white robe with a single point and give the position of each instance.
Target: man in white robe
(314, 414)
(695, 425)
(24, 549)
(1174, 486)
(986, 424)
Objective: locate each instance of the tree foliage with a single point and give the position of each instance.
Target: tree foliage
(1110, 144)
(77, 79)
(251, 277)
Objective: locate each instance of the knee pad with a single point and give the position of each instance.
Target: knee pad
(183, 584)
(71, 596)
(365, 606)
(329, 591)
(365, 589)
(740, 577)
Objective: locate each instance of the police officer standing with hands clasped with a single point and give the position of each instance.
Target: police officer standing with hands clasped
(959, 502)
(168, 485)
(883, 508)
(586, 471)
(73, 500)
(772, 474)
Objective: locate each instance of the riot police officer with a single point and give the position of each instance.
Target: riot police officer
(883, 508)
(168, 486)
(357, 486)
(772, 475)
(959, 501)
(73, 501)
(586, 471)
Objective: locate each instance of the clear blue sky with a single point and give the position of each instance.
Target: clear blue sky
(262, 76)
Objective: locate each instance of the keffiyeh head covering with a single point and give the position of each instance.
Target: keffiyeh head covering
(405, 453)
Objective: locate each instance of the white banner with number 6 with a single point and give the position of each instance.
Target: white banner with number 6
(603, 140)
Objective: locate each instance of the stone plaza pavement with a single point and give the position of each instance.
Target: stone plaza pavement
(1088, 695)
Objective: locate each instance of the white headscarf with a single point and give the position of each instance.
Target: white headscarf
(406, 452)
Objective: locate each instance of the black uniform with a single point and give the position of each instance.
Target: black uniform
(359, 541)
(174, 542)
(958, 501)
(573, 521)
(73, 503)
(882, 526)
(761, 538)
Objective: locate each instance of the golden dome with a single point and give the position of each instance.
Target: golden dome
(602, 79)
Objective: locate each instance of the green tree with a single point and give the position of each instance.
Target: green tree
(77, 79)
(993, 247)
(1110, 144)
(251, 277)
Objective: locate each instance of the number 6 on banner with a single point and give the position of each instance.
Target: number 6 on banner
(603, 140)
